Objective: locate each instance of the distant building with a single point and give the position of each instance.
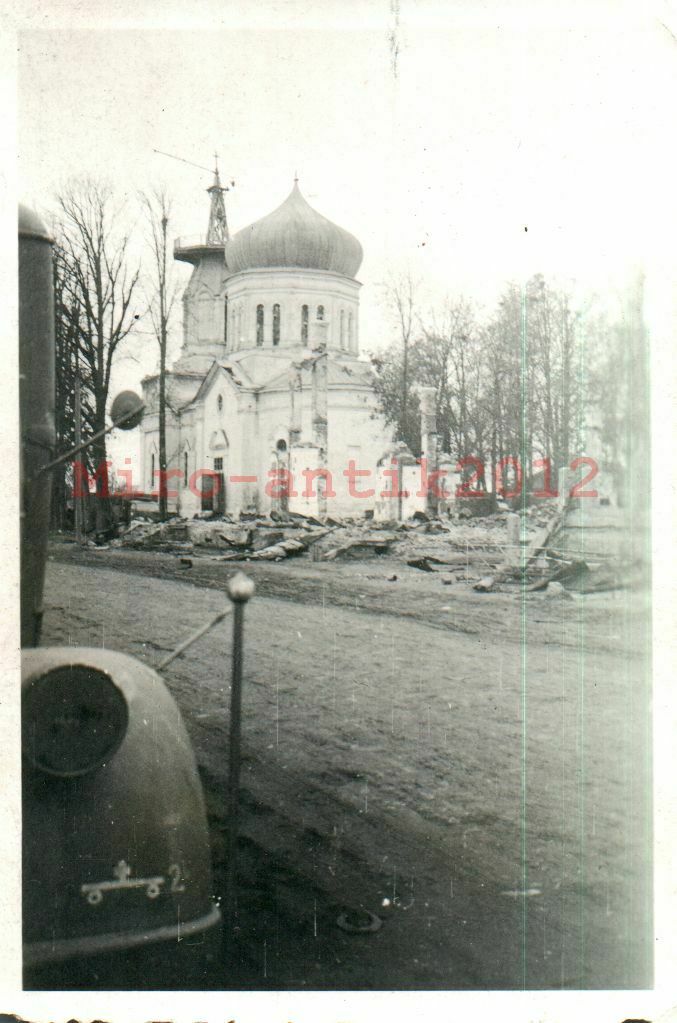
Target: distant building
(269, 379)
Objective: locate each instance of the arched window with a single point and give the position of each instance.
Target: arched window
(281, 445)
(304, 323)
(350, 331)
(342, 332)
(320, 312)
(259, 325)
(185, 468)
(219, 403)
(152, 471)
(276, 324)
(225, 321)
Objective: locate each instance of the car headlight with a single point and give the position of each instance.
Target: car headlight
(73, 719)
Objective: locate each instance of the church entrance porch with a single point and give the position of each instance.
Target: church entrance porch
(213, 493)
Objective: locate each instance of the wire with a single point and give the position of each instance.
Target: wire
(210, 170)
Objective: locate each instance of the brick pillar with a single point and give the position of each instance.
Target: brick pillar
(294, 404)
(429, 440)
(513, 522)
(319, 415)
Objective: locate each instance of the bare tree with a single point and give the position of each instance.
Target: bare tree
(555, 343)
(448, 359)
(163, 292)
(101, 287)
(394, 373)
(66, 334)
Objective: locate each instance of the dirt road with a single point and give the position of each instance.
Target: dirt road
(474, 769)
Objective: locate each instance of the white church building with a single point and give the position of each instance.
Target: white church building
(269, 402)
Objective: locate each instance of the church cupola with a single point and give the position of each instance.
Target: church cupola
(295, 235)
(291, 282)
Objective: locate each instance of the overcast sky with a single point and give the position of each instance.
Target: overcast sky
(472, 142)
(435, 132)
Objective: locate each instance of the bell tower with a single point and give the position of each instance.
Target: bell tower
(205, 319)
(217, 230)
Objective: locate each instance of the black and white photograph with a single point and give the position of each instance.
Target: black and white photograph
(340, 410)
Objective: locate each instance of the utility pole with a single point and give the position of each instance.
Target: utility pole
(77, 482)
(162, 274)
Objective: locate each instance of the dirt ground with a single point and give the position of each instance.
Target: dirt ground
(473, 768)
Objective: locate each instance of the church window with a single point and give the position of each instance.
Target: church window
(219, 403)
(259, 325)
(304, 323)
(320, 312)
(281, 445)
(225, 321)
(276, 324)
(350, 331)
(218, 465)
(185, 468)
(152, 470)
(343, 328)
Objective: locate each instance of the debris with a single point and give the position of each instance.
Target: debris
(278, 516)
(485, 585)
(421, 563)
(359, 548)
(279, 550)
(303, 519)
(543, 537)
(555, 589)
(569, 571)
(391, 578)
(235, 537)
(287, 548)
(266, 538)
(420, 516)
(613, 578)
(186, 562)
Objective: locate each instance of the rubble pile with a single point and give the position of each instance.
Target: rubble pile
(282, 535)
(485, 552)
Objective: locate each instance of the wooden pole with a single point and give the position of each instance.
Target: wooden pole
(240, 590)
(77, 499)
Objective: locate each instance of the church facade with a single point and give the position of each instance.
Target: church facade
(269, 405)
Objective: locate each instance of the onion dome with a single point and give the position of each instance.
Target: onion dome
(294, 235)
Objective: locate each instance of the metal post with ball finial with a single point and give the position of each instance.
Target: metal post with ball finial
(240, 591)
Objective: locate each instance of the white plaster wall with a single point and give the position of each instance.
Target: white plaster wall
(305, 457)
(212, 424)
(354, 431)
(206, 289)
(253, 423)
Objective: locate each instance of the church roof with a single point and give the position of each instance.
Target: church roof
(351, 373)
(294, 235)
